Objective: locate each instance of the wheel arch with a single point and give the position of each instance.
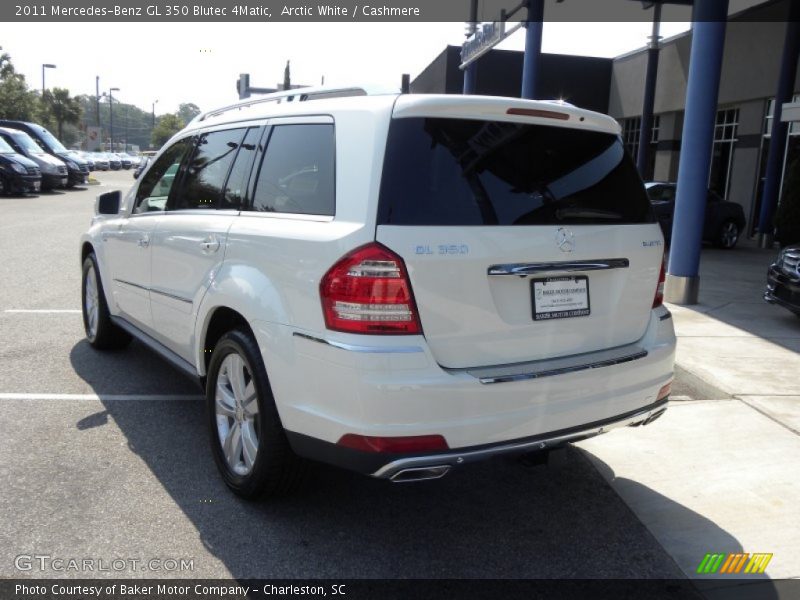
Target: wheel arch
(218, 321)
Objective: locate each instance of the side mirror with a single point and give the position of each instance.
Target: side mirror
(108, 203)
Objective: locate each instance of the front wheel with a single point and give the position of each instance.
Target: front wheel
(248, 442)
(100, 330)
(728, 235)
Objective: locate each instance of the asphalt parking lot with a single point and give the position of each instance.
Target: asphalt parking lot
(104, 456)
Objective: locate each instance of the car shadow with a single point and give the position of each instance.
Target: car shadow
(495, 519)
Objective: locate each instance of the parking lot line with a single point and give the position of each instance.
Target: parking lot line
(42, 310)
(104, 397)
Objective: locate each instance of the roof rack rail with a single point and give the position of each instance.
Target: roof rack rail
(294, 95)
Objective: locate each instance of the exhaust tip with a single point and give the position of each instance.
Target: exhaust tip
(420, 474)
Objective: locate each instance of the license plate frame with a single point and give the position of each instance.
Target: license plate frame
(576, 302)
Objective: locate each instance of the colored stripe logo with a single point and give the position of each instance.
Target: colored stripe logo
(734, 563)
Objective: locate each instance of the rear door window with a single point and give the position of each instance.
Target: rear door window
(297, 171)
(470, 172)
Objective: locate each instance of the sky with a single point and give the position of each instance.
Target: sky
(200, 62)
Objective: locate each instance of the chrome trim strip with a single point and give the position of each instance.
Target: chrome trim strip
(173, 296)
(157, 347)
(136, 285)
(159, 292)
(364, 349)
(456, 458)
(556, 366)
(525, 269)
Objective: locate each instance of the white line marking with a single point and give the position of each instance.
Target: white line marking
(42, 311)
(104, 397)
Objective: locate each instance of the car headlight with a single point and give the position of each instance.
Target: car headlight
(19, 168)
(72, 165)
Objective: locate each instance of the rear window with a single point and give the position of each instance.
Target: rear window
(469, 172)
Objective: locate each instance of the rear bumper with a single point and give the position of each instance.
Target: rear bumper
(396, 467)
(392, 387)
(782, 290)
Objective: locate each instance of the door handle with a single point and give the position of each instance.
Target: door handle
(210, 244)
(143, 241)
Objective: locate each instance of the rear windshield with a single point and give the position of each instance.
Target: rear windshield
(469, 172)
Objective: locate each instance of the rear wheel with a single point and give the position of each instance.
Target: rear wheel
(100, 330)
(728, 235)
(248, 442)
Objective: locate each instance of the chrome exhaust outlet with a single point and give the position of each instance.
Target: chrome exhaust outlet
(420, 474)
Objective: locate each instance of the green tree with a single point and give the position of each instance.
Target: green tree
(63, 108)
(188, 111)
(287, 77)
(6, 68)
(167, 126)
(16, 100)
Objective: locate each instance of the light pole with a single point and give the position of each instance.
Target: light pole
(111, 115)
(45, 66)
(154, 113)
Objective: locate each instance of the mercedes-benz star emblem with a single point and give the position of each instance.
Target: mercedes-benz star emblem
(565, 240)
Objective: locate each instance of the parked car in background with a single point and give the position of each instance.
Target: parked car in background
(114, 163)
(54, 171)
(395, 284)
(100, 161)
(78, 170)
(142, 166)
(783, 280)
(18, 174)
(134, 158)
(724, 221)
(85, 157)
(124, 160)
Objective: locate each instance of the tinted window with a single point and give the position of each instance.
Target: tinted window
(236, 189)
(207, 170)
(467, 172)
(661, 193)
(297, 172)
(156, 184)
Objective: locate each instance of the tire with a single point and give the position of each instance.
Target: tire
(242, 415)
(101, 332)
(727, 235)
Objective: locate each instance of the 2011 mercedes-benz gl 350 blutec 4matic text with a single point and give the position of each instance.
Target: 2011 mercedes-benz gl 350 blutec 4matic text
(396, 284)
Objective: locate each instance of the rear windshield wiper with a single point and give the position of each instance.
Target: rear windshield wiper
(586, 213)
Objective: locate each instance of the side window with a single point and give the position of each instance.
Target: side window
(669, 193)
(297, 172)
(207, 170)
(157, 182)
(236, 188)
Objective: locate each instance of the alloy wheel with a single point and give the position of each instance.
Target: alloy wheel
(236, 406)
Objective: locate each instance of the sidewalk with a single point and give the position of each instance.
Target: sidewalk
(719, 472)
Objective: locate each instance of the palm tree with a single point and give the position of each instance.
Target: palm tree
(63, 108)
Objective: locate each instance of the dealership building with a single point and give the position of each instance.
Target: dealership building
(751, 62)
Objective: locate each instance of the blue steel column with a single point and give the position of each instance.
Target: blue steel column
(649, 94)
(705, 64)
(471, 78)
(531, 65)
(471, 72)
(777, 142)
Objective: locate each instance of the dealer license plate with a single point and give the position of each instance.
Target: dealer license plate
(560, 297)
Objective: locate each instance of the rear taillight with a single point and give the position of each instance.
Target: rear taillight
(658, 300)
(368, 291)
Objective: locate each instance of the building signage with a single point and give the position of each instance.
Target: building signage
(486, 36)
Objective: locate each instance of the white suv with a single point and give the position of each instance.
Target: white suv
(395, 284)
